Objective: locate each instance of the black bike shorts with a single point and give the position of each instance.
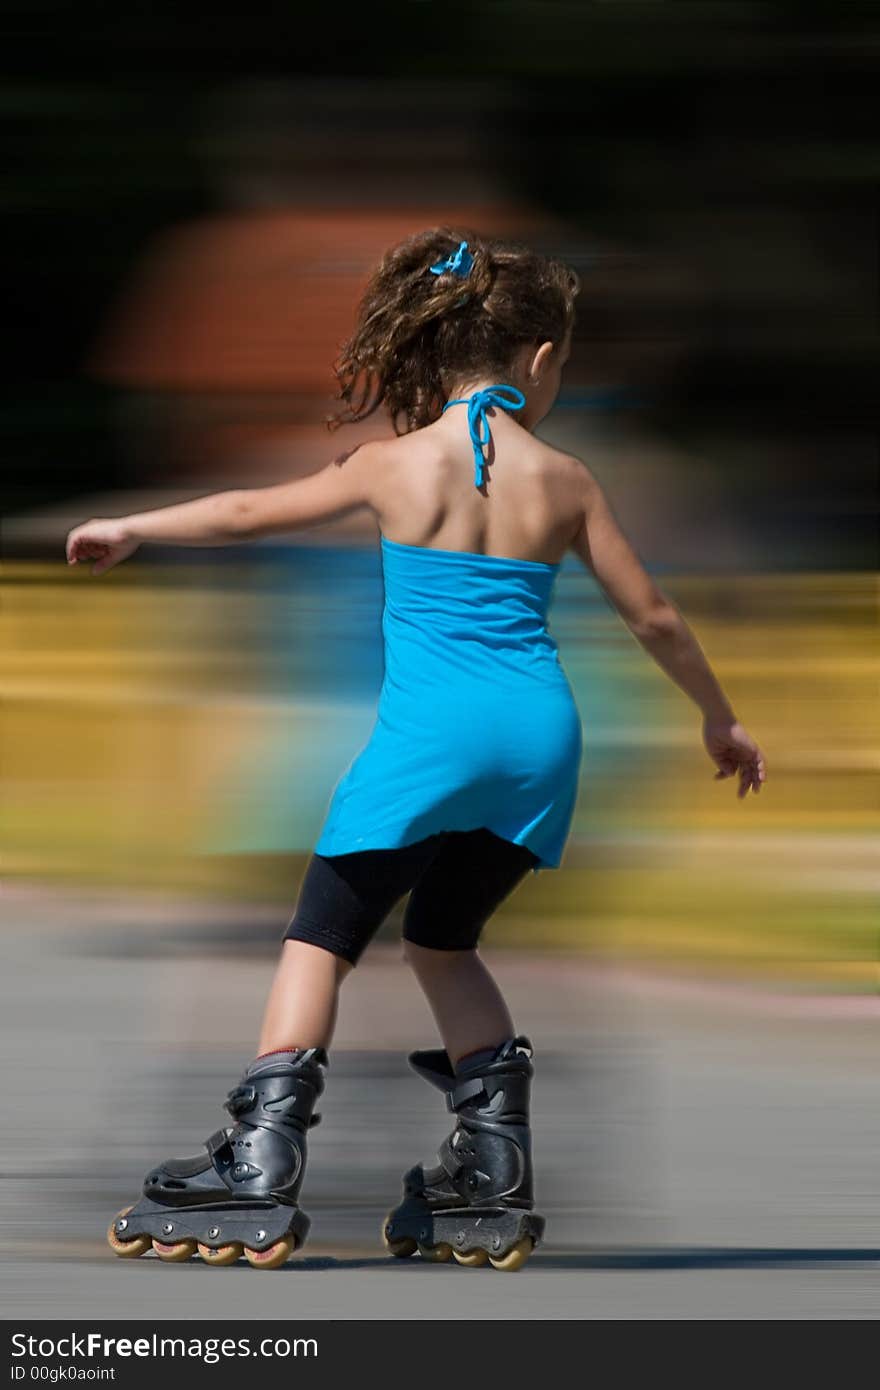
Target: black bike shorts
(455, 880)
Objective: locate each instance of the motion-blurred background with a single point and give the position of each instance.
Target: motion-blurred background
(196, 203)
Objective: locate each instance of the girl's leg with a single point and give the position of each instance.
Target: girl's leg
(304, 997)
(461, 888)
(343, 899)
(466, 1002)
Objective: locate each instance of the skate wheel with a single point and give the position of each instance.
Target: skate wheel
(471, 1259)
(220, 1255)
(126, 1249)
(175, 1254)
(436, 1254)
(401, 1249)
(275, 1256)
(515, 1257)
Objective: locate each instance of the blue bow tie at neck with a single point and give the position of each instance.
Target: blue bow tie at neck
(494, 397)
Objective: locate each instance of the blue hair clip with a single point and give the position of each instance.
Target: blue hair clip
(460, 263)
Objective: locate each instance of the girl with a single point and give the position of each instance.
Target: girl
(469, 779)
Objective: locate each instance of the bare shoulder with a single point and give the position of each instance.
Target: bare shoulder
(364, 464)
(567, 479)
(577, 474)
(360, 456)
(559, 465)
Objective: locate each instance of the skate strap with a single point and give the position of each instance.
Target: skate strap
(218, 1140)
(465, 1090)
(244, 1098)
(452, 1166)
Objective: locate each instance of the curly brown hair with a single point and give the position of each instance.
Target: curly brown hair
(419, 335)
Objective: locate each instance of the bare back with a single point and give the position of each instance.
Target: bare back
(530, 506)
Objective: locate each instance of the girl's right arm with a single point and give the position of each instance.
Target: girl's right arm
(227, 518)
(657, 624)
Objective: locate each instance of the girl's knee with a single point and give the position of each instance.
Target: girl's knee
(298, 953)
(430, 958)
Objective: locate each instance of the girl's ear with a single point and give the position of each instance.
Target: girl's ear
(539, 364)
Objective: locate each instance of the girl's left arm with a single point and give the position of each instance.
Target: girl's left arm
(226, 518)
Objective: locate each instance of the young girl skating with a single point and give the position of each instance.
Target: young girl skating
(470, 776)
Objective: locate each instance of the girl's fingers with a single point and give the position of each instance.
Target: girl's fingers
(90, 550)
(82, 549)
(751, 770)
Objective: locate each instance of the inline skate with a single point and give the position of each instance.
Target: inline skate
(240, 1195)
(476, 1206)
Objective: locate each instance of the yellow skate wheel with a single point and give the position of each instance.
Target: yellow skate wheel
(515, 1258)
(436, 1254)
(471, 1259)
(126, 1249)
(274, 1257)
(221, 1254)
(175, 1254)
(400, 1249)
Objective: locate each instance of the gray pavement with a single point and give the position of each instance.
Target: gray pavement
(703, 1150)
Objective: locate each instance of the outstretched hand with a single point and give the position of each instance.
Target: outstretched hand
(104, 540)
(731, 748)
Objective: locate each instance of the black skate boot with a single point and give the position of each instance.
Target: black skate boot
(477, 1204)
(240, 1195)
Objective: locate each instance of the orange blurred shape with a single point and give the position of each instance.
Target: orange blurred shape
(263, 300)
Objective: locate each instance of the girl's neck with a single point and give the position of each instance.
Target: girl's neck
(478, 384)
(522, 417)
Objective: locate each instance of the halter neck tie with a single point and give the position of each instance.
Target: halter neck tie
(479, 404)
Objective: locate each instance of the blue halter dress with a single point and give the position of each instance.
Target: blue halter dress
(477, 724)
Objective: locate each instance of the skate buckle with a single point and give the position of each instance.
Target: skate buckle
(241, 1099)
